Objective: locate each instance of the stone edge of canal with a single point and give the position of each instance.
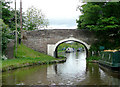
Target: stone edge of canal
(32, 64)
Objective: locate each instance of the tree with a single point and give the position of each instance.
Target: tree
(104, 19)
(8, 15)
(90, 15)
(34, 19)
(5, 35)
(7, 23)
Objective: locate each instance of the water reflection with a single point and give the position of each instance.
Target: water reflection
(75, 71)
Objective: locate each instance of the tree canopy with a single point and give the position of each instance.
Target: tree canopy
(34, 19)
(104, 19)
(5, 35)
(8, 15)
(6, 23)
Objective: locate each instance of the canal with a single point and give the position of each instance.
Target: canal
(75, 71)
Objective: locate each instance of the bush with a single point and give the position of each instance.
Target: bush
(93, 58)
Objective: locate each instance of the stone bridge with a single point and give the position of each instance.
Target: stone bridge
(47, 41)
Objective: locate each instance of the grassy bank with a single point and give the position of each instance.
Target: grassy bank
(93, 59)
(25, 57)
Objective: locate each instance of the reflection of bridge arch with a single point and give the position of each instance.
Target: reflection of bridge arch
(70, 39)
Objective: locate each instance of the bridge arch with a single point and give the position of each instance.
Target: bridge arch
(87, 47)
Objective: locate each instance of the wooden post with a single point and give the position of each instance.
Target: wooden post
(0, 32)
(21, 18)
(16, 29)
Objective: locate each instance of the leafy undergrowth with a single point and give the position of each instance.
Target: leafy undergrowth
(93, 58)
(26, 56)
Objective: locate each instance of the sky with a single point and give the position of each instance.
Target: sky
(61, 14)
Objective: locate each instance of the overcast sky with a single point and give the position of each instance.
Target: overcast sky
(60, 13)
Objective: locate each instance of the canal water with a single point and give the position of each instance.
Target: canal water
(75, 71)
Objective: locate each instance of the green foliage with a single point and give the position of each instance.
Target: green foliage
(94, 47)
(99, 16)
(34, 19)
(8, 23)
(5, 35)
(105, 24)
(8, 15)
(75, 45)
(104, 19)
(92, 58)
(90, 15)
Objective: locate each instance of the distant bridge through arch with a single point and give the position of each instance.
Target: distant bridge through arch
(47, 41)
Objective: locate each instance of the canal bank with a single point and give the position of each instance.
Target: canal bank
(28, 63)
(27, 57)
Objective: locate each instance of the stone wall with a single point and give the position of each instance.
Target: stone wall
(10, 49)
(39, 39)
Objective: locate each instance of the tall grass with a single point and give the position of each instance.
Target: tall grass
(26, 55)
